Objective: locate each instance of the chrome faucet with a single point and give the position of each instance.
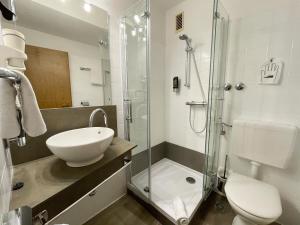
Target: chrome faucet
(93, 115)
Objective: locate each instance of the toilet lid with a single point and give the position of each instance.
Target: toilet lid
(253, 196)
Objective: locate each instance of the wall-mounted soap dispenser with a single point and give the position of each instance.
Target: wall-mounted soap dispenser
(176, 84)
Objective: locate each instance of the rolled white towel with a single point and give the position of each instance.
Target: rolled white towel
(181, 214)
(32, 120)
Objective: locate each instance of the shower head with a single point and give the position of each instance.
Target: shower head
(183, 37)
(186, 38)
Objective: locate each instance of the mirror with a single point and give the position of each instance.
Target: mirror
(67, 49)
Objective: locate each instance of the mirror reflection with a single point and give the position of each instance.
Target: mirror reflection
(67, 51)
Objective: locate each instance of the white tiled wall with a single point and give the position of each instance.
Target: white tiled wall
(260, 30)
(197, 25)
(169, 115)
(157, 79)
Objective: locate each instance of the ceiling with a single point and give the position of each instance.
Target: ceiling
(167, 4)
(61, 22)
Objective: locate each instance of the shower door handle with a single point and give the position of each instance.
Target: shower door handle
(128, 117)
(129, 110)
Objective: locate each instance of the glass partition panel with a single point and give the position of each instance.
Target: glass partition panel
(216, 93)
(135, 36)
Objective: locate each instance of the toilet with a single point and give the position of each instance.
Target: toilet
(256, 202)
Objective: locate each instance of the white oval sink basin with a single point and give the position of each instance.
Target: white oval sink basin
(81, 147)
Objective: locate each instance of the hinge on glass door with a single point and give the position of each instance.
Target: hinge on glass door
(217, 15)
(146, 14)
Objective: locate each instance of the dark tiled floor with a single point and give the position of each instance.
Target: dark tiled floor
(127, 211)
(214, 211)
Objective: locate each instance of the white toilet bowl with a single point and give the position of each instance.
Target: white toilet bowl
(254, 202)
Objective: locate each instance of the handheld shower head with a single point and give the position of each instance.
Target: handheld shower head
(183, 37)
(186, 38)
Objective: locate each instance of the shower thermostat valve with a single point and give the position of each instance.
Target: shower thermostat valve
(271, 71)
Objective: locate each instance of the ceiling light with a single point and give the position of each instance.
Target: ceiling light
(133, 32)
(141, 29)
(137, 19)
(87, 7)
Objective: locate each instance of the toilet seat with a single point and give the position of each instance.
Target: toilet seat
(255, 199)
(251, 218)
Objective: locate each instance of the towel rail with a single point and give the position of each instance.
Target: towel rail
(16, 80)
(10, 75)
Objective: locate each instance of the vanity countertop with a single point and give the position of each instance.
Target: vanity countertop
(46, 177)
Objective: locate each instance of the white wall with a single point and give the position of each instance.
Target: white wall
(80, 54)
(157, 77)
(260, 30)
(198, 24)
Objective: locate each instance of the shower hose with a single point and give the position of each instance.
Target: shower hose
(192, 122)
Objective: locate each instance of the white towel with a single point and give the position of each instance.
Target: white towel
(6, 173)
(32, 120)
(180, 211)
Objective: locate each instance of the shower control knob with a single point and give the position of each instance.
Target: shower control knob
(240, 86)
(227, 86)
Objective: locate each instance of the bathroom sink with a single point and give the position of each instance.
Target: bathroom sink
(81, 147)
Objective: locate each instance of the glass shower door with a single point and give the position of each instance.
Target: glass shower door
(216, 93)
(134, 27)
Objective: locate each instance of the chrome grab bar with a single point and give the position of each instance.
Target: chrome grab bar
(10, 75)
(191, 103)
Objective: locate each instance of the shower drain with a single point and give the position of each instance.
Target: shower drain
(190, 180)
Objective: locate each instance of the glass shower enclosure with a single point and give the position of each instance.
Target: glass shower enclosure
(135, 54)
(175, 178)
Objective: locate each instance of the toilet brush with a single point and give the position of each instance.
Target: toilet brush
(225, 167)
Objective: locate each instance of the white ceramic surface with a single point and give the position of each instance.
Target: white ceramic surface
(81, 147)
(168, 185)
(13, 39)
(254, 201)
(269, 143)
